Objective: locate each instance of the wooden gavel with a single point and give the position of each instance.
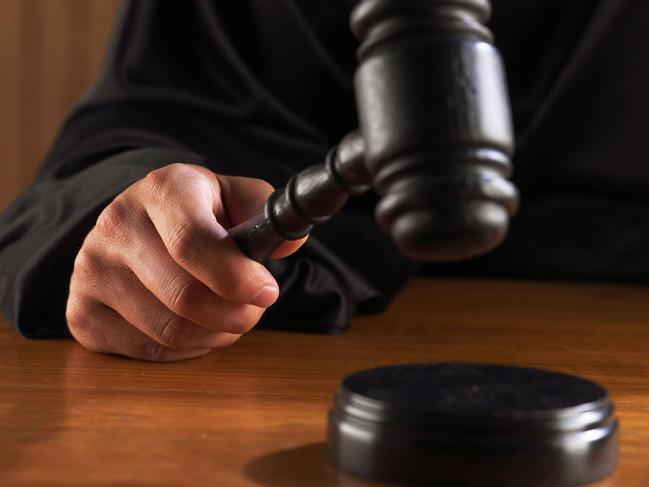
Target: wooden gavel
(435, 138)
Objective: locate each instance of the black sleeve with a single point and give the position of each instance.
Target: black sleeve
(581, 110)
(248, 88)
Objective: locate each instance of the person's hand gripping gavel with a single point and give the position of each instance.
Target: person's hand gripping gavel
(160, 278)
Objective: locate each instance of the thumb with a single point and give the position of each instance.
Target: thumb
(243, 198)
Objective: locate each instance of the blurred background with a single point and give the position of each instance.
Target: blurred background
(50, 53)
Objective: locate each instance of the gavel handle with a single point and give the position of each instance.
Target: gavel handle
(310, 197)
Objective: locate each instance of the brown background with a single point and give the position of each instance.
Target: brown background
(50, 52)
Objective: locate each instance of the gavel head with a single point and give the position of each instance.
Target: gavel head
(434, 116)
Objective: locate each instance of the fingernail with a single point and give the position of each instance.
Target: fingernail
(265, 297)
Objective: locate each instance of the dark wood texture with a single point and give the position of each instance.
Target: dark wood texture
(435, 134)
(50, 52)
(310, 197)
(434, 113)
(255, 414)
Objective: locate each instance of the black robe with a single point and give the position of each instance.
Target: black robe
(263, 88)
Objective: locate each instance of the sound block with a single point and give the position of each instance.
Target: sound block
(464, 424)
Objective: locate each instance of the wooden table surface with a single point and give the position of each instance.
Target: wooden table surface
(255, 414)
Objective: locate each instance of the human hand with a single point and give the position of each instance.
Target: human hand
(159, 279)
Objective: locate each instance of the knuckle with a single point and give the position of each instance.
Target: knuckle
(173, 332)
(183, 297)
(184, 241)
(80, 325)
(87, 267)
(157, 182)
(74, 314)
(114, 220)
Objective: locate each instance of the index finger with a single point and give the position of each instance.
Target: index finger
(183, 205)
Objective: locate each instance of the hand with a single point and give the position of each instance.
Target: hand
(159, 279)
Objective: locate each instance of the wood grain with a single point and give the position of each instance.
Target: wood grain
(255, 414)
(50, 52)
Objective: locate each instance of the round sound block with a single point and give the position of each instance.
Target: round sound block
(473, 425)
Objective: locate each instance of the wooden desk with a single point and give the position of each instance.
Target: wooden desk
(255, 414)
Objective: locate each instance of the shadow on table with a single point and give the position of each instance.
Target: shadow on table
(299, 467)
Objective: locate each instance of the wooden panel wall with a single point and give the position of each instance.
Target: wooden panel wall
(50, 52)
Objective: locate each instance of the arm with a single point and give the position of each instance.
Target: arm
(179, 87)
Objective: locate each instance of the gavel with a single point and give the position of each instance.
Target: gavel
(435, 141)
(435, 138)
